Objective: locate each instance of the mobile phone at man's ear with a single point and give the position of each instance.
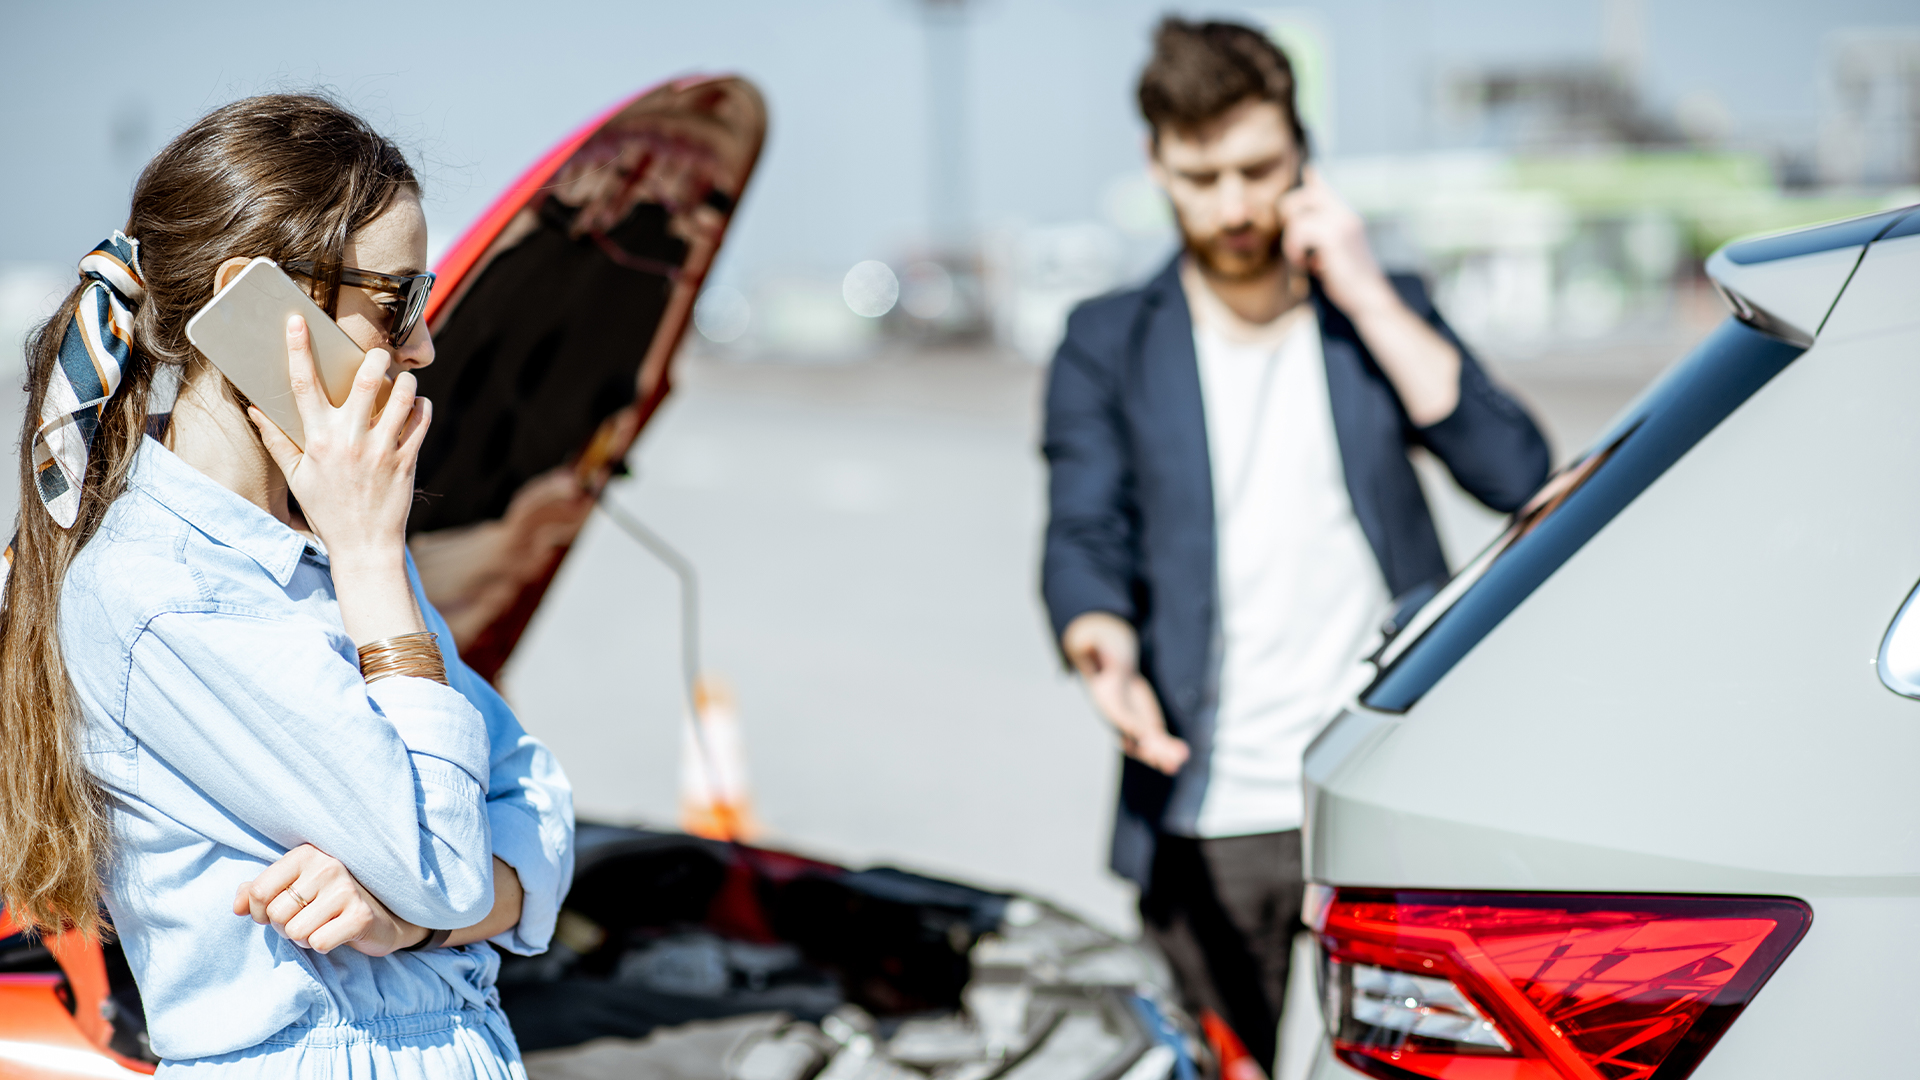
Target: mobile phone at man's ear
(243, 332)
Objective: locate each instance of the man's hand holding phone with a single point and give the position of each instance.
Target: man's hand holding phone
(1105, 650)
(1323, 236)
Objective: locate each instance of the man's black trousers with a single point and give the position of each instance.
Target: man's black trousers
(1224, 913)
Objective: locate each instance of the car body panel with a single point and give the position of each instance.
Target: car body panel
(1836, 1007)
(1795, 477)
(40, 1040)
(1690, 703)
(1327, 1067)
(59, 1010)
(1883, 295)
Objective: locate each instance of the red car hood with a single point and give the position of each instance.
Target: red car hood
(555, 319)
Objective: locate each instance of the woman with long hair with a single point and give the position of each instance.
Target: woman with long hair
(223, 704)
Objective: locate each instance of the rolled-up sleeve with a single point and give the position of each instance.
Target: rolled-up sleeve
(531, 813)
(529, 802)
(530, 810)
(270, 719)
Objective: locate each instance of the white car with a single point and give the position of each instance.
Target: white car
(1637, 794)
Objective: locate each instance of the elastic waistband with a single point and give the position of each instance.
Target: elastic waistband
(382, 1029)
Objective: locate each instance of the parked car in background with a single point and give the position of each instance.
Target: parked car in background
(1633, 795)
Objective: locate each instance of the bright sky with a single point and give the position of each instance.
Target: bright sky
(477, 90)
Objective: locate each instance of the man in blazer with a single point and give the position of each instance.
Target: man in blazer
(1233, 509)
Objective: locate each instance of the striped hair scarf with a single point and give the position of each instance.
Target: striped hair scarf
(93, 355)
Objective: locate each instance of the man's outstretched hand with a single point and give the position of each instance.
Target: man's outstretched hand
(1105, 650)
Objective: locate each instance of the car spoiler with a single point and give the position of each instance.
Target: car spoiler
(1786, 284)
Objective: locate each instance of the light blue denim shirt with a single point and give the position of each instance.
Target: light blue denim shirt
(226, 718)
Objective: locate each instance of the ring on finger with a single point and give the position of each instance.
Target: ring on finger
(303, 901)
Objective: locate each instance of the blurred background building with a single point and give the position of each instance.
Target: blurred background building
(1557, 170)
(850, 456)
(1559, 178)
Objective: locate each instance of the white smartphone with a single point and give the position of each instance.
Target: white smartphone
(243, 331)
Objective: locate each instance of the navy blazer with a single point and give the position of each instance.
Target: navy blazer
(1131, 529)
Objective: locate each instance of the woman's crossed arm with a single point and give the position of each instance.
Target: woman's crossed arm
(315, 902)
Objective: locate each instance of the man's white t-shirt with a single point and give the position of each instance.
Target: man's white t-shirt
(1300, 592)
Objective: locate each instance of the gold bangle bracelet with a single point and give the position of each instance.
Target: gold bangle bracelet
(416, 655)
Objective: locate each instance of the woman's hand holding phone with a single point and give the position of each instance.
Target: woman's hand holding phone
(354, 482)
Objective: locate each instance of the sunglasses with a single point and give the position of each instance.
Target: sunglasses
(402, 314)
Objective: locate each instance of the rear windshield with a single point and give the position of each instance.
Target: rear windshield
(1663, 424)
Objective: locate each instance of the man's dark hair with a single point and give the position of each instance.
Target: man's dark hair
(1201, 70)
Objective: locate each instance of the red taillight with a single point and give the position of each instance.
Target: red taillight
(1541, 986)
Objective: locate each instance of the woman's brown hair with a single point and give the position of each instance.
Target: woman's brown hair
(287, 176)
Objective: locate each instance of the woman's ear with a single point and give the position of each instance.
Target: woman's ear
(226, 271)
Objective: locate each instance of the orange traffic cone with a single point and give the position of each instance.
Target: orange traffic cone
(1228, 1050)
(715, 801)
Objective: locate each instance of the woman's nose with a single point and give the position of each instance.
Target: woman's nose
(418, 351)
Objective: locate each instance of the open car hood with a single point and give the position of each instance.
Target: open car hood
(555, 320)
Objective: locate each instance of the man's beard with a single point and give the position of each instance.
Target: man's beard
(1228, 264)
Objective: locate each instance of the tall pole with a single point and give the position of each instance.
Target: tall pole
(1623, 38)
(950, 210)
